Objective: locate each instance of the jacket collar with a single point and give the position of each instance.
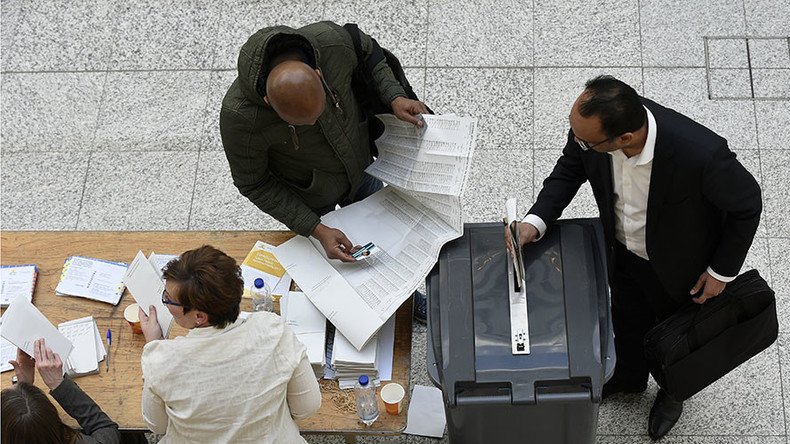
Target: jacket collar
(207, 332)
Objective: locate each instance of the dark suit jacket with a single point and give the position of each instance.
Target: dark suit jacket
(703, 206)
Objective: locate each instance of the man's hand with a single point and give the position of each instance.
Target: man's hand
(526, 233)
(408, 110)
(150, 325)
(24, 367)
(335, 243)
(710, 286)
(48, 364)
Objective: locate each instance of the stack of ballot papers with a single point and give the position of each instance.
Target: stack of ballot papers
(261, 263)
(309, 325)
(17, 281)
(374, 360)
(90, 278)
(144, 280)
(88, 346)
(23, 324)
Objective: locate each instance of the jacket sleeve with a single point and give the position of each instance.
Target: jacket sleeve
(252, 176)
(562, 184)
(303, 393)
(731, 188)
(96, 425)
(386, 84)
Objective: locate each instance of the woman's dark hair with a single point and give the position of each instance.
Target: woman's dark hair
(615, 103)
(210, 281)
(29, 417)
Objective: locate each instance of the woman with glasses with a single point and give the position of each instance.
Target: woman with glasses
(229, 379)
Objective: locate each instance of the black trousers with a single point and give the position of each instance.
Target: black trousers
(639, 302)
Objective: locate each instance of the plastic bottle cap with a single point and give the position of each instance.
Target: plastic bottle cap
(258, 283)
(363, 380)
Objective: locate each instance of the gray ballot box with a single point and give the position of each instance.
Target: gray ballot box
(550, 395)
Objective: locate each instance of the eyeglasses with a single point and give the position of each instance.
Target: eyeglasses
(166, 299)
(586, 145)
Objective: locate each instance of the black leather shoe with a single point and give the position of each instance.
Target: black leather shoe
(663, 415)
(420, 307)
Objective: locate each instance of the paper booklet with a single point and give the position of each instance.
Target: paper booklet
(409, 221)
(261, 263)
(90, 278)
(17, 281)
(144, 281)
(88, 346)
(23, 324)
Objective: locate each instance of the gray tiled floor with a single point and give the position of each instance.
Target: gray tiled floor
(110, 108)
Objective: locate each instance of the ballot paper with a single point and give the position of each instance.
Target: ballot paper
(160, 261)
(146, 286)
(7, 353)
(88, 346)
(23, 324)
(408, 221)
(426, 412)
(309, 326)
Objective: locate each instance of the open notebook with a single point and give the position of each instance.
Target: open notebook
(17, 281)
(90, 278)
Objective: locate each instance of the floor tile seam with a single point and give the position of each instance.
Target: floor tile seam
(84, 190)
(779, 361)
(194, 188)
(641, 42)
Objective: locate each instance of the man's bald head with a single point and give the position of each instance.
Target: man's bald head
(295, 92)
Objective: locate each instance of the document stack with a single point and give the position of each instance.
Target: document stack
(309, 325)
(17, 281)
(89, 278)
(88, 346)
(374, 360)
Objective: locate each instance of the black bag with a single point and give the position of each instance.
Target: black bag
(364, 88)
(701, 343)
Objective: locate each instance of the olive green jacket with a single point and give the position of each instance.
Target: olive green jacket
(291, 171)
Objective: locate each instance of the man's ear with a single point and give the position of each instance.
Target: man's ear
(626, 138)
(318, 71)
(266, 100)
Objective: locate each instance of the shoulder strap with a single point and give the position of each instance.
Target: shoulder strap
(376, 55)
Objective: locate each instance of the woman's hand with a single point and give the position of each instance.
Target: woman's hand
(48, 364)
(150, 325)
(24, 367)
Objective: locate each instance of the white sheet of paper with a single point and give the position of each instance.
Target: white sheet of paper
(307, 323)
(23, 324)
(7, 353)
(328, 291)
(146, 287)
(160, 260)
(426, 412)
(385, 349)
(82, 333)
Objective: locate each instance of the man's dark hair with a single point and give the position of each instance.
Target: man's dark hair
(615, 103)
(208, 280)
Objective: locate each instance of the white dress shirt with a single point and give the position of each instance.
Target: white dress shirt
(631, 183)
(246, 382)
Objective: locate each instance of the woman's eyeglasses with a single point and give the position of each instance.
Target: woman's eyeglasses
(166, 299)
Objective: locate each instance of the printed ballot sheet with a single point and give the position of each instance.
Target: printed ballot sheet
(435, 159)
(408, 221)
(23, 324)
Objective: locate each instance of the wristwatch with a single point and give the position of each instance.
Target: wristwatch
(14, 379)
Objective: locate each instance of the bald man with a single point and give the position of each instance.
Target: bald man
(295, 135)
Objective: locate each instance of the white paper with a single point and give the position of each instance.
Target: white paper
(23, 324)
(328, 291)
(7, 353)
(146, 287)
(159, 261)
(88, 349)
(426, 412)
(16, 281)
(95, 279)
(307, 323)
(385, 349)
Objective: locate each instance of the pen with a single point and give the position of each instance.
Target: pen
(109, 341)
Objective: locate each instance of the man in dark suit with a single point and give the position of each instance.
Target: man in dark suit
(679, 214)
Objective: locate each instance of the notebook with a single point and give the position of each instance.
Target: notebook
(90, 278)
(15, 281)
(88, 346)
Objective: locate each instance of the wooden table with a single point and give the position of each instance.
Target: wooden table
(118, 391)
